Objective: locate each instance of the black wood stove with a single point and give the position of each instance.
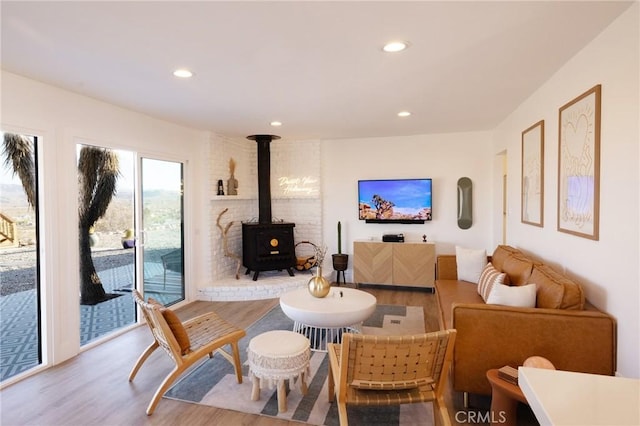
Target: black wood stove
(267, 245)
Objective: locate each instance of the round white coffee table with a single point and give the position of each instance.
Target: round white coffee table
(323, 320)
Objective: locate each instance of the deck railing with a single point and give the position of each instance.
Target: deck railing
(7, 230)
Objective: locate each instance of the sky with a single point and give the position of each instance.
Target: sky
(158, 174)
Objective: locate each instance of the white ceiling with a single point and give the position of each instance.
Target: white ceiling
(316, 66)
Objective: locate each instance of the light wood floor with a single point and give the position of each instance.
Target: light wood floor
(92, 388)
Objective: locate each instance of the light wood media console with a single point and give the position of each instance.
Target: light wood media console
(401, 264)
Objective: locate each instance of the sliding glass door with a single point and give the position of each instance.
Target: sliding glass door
(106, 188)
(130, 231)
(20, 319)
(162, 230)
(119, 252)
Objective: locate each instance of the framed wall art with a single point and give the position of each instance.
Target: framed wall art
(532, 207)
(579, 165)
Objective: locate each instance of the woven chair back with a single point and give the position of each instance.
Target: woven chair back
(159, 327)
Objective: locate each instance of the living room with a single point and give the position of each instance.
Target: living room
(484, 156)
(608, 268)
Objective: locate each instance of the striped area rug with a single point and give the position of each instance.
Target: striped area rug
(213, 382)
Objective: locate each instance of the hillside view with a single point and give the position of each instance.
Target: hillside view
(162, 210)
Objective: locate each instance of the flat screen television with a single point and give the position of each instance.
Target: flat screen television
(395, 200)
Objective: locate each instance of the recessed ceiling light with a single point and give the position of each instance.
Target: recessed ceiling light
(395, 46)
(276, 123)
(404, 114)
(183, 73)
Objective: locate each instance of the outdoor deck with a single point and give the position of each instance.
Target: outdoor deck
(19, 325)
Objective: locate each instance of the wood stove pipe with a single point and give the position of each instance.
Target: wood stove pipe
(264, 175)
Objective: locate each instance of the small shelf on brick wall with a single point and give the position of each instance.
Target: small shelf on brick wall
(231, 197)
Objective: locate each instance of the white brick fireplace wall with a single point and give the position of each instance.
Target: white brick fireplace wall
(296, 197)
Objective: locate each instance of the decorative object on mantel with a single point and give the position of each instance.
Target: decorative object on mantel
(424, 238)
(340, 260)
(220, 187)
(225, 242)
(319, 286)
(232, 183)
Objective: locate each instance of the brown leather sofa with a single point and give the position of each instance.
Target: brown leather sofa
(563, 327)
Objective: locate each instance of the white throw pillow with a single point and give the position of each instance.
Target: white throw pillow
(470, 263)
(522, 296)
(488, 278)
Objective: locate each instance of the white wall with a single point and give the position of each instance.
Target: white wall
(445, 158)
(61, 119)
(608, 268)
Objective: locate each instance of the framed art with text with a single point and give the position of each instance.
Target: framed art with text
(579, 165)
(532, 180)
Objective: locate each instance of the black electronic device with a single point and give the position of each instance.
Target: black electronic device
(393, 238)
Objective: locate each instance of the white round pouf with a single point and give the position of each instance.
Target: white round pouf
(276, 356)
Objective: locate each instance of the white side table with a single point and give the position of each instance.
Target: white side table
(276, 356)
(569, 398)
(324, 319)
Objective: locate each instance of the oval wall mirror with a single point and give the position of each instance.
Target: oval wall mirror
(465, 218)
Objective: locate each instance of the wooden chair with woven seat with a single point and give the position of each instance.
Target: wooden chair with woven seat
(390, 370)
(186, 342)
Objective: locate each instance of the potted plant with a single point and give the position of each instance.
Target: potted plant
(340, 260)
